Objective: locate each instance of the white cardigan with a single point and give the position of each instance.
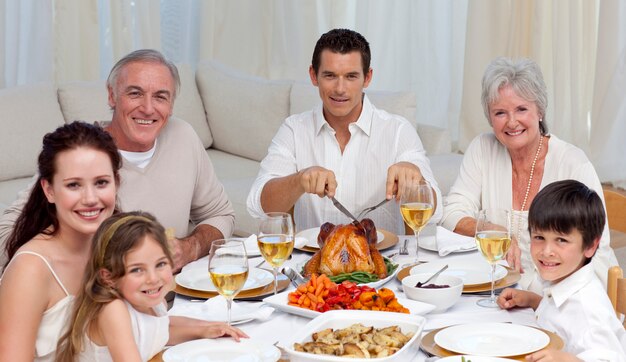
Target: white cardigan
(485, 180)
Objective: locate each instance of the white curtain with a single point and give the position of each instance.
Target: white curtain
(559, 35)
(608, 119)
(435, 48)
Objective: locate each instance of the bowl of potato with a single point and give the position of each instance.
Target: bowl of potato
(357, 335)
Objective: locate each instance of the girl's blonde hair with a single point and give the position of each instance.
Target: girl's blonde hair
(115, 237)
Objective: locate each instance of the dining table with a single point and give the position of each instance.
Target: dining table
(279, 327)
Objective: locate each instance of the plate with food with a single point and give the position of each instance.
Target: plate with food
(222, 349)
(492, 339)
(511, 278)
(319, 295)
(199, 279)
(378, 330)
(384, 238)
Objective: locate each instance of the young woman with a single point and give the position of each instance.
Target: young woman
(50, 244)
(121, 313)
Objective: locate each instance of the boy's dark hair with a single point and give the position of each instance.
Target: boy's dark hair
(342, 41)
(563, 206)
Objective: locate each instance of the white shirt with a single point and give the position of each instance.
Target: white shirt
(579, 311)
(484, 181)
(377, 140)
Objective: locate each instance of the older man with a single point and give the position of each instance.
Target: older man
(166, 170)
(346, 148)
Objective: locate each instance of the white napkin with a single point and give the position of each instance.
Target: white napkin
(215, 309)
(448, 242)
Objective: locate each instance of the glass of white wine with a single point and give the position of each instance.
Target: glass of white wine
(275, 240)
(228, 268)
(493, 238)
(416, 206)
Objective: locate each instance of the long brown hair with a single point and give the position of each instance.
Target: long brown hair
(115, 237)
(40, 216)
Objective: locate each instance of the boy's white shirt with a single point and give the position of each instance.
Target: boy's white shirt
(579, 311)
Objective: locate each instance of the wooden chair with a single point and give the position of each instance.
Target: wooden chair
(616, 288)
(615, 209)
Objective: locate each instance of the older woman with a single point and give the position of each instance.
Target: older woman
(507, 168)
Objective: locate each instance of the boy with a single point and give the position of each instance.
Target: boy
(565, 221)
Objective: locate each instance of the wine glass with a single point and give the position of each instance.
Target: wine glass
(228, 268)
(493, 238)
(417, 206)
(275, 240)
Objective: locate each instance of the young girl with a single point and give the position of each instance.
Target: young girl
(121, 312)
(50, 244)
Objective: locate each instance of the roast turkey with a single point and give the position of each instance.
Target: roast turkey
(345, 249)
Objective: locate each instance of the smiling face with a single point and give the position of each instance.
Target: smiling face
(515, 121)
(558, 255)
(82, 190)
(148, 275)
(142, 103)
(341, 81)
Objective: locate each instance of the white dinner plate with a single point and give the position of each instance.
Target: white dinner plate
(199, 279)
(492, 339)
(472, 271)
(222, 349)
(311, 236)
(474, 359)
(279, 301)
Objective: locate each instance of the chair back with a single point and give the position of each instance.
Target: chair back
(615, 210)
(616, 288)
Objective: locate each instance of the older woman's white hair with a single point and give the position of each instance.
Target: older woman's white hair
(525, 78)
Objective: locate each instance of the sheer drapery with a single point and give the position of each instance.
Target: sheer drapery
(437, 49)
(558, 35)
(608, 119)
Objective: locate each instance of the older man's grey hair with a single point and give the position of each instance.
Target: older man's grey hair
(525, 78)
(147, 56)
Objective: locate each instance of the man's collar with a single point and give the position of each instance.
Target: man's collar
(364, 122)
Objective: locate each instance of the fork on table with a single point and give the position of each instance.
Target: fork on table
(404, 249)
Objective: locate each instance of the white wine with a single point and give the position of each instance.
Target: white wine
(229, 279)
(493, 244)
(275, 248)
(416, 214)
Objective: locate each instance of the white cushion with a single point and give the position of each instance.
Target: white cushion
(305, 96)
(85, 101)
(243, 112)
(188, 105)
(88, 101)
(28, 113)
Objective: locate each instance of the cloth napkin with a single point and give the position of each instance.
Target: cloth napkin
(448, 242)
(215, 309)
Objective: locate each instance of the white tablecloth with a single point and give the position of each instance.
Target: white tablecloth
(280, 326)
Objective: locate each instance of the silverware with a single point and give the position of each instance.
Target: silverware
(371, 208)
(434, 275)
(403, 249)
(293, 275)
(345, 211)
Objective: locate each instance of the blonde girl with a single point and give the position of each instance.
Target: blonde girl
(121, 312)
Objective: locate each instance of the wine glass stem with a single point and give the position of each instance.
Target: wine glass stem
(493, 271)
(229, 302)
(275, 270)
(417, 244)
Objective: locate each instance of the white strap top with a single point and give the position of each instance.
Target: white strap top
(151, 334)
(53, 321)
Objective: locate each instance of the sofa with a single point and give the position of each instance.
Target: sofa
(234, 114)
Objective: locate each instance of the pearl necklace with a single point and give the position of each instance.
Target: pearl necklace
(530, 181)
